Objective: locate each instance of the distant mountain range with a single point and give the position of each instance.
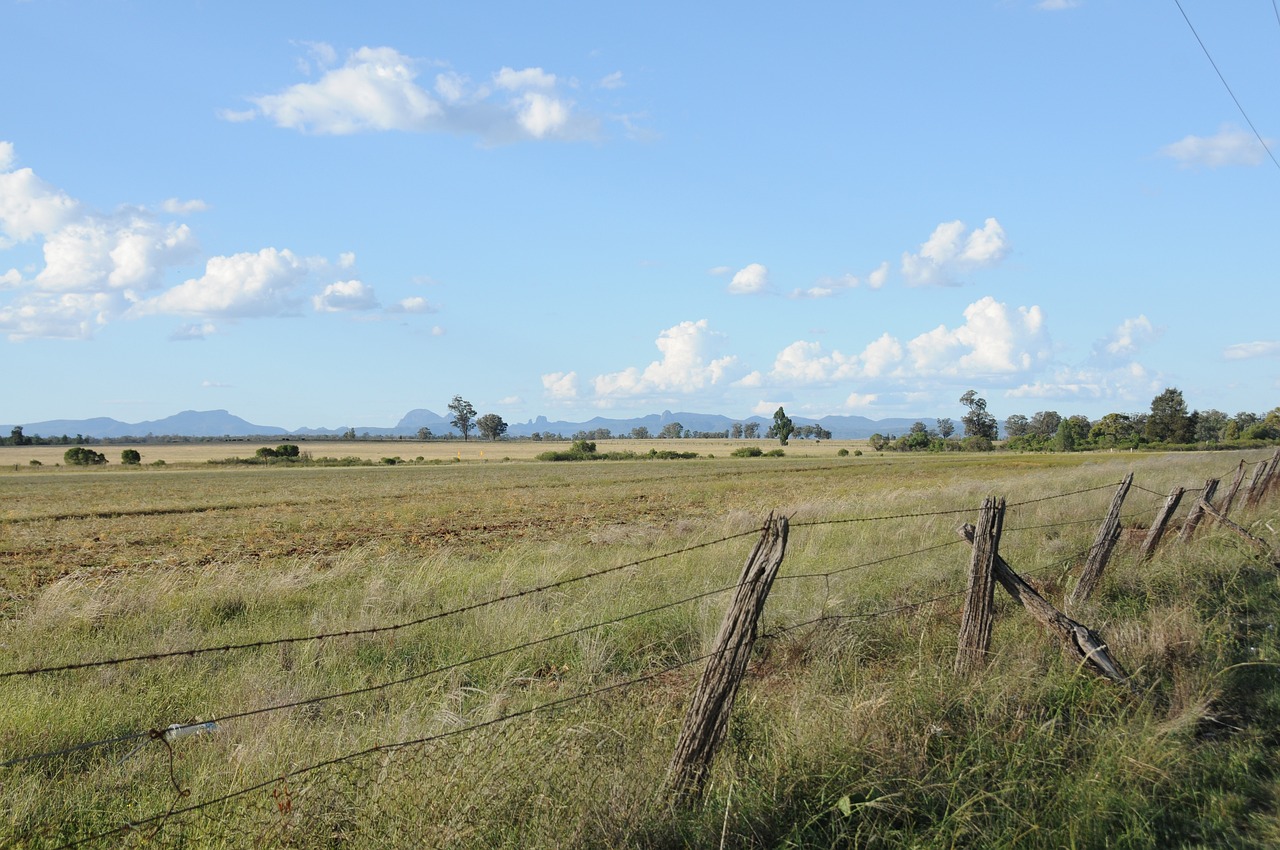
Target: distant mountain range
(220, 423)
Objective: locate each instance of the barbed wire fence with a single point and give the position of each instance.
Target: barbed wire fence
(304, 790)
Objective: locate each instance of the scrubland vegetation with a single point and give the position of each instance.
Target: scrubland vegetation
(547, 719)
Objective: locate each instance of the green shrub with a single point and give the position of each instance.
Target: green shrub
(80, 456)
(130, 457)
(775, 453)
(857, 452)
(844, 453)
(747, 451)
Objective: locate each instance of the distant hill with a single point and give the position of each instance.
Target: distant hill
(188, 423)
(220, 423)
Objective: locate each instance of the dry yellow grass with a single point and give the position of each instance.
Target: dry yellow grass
(443, 450)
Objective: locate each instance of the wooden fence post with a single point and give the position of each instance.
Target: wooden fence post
(1269, 480)
(1197, 511)
(1254, 493)
(708, 715)
(1103, 544)
(979, 602)
(1244, 532)
(1233, 489)
(1079, 642)
(1161, 522)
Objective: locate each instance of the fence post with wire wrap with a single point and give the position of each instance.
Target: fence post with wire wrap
(708, 715)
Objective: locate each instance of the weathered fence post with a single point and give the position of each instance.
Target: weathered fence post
(1197, 512)
(979, 602)
(1161, 522)
(1269, 480)
(1103, 544)
(708, 714)
(1243, 532)
(1254, 493)
(1233, 489)
(1079, 642)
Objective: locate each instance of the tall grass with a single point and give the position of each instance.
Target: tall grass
(851, 731)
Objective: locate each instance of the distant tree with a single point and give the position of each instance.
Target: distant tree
(751, 430)
(1211, 426)
(978, 422)
(736, 431)
(424, 433)
(640, 432)
(1169, 421)
(491, 426)
(130, 457)
(464, 415)
(17, 438)
(782, 426)
(946, 428)
(879, 441)
(80, 456)
(1045, 423)
(1016, 425)
(671, 431)
(1072, 433)
(349, 434)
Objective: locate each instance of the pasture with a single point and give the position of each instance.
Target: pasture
(493, 651)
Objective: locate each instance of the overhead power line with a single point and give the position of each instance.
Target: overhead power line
(1239, 106)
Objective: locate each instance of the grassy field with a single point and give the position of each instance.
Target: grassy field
(472, 451)
(559, 613)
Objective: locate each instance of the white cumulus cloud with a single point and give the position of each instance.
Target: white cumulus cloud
(994, 340)
(1231, 145)
(949, 252)
(561, 385)
(344, 296)
(686, 365)
(239, 286)
(1249, 350)
(750, 280)
(376, 89)
(413, 304)
(174, 206)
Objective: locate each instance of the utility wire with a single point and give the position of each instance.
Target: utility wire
(1261, 140)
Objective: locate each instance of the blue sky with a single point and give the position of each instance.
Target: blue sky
(318, 214)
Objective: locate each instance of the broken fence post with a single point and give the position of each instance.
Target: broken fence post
(1161, 522)
(1197, 511)
(1103, 545)
(979, 602)
(708, 715)
(1079, 642)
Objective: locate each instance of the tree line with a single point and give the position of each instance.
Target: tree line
(1168, 423)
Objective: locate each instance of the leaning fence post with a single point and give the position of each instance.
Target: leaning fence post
(1161, 522)
(708, 714)
(979, 602)
(1196, 514)
(1254, 493)
(1269, 480)
(1243, 532)
(1233, 489)
(1079, 642)
(1103, 544)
